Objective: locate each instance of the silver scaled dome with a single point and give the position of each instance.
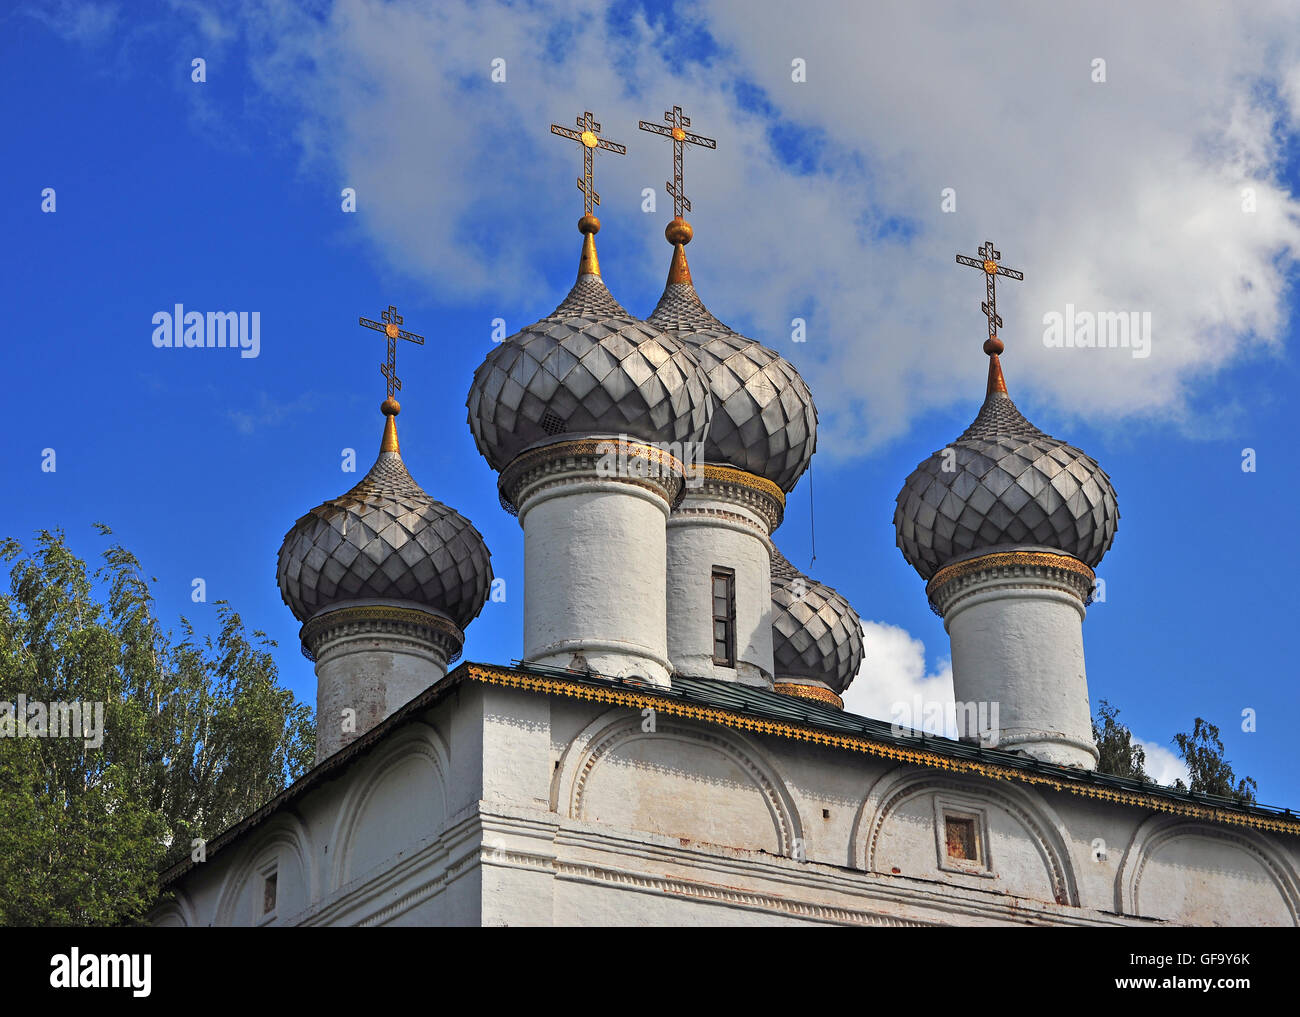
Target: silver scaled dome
(764, 419)
(385, 539)
(1007, 483)
(587, 368)
(816, 634)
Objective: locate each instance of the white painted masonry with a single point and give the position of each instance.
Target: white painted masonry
(495, 805)
(595, 561)
(1017, 640)
(373, 657)
(721, 524)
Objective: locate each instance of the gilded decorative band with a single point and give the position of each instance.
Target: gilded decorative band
(1009, 559)
(741, 478)
(802, 691)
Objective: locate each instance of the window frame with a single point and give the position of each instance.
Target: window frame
(960, 807)
(269, 873)
(727, 575)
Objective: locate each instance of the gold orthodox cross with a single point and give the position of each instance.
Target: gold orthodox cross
(590, 139)
(677, 122)
(392, 328)
(988, 263)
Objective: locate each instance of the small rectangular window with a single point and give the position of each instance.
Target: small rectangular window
(268, 892)
(963, 843)
(724, 616)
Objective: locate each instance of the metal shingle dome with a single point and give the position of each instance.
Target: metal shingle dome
(588, 367)
(764, 419)
(1008, 483)
(385, 539)
(816, 634)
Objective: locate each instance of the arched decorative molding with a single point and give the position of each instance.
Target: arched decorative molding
(616, 728)
(1158, 830)
(904, 783)
(286, 830)
(182, 906)
(414, 739)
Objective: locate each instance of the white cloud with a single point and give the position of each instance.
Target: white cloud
(893, 683)
(86, 23)
(1163, 765)
(1125, 195)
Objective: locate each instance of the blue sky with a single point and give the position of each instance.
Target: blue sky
(822, 200)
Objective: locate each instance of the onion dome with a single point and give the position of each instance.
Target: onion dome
(764, 420)
(587, 368)
(816, 635)
(385, 539)
(1004, 483)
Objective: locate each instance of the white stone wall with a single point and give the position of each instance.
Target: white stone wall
(706, 531)
(372, 674)
(507, 807)
(594, 577)
(1018, 642)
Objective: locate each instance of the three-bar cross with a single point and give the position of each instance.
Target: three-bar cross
(590, 139)
(677, 122)
(391, 327)
(988, 263)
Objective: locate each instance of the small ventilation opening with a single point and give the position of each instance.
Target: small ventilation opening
(551, 423)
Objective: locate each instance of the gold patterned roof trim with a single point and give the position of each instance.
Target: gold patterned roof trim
(801, 691)
(861, 743)
(742, 478)
(1009, 559)
(597, 447)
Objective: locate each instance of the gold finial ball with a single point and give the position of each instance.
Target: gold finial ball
(993, 347)
(588, 224)
(390, 407)
(679, 232)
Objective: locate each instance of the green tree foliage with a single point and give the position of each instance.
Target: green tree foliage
(1202, 751)
(1119, 754)
(197, 734)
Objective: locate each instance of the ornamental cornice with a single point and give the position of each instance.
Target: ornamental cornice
(726, 483)
(402, 627)
(687, 512)
(1035, 569)
(636, 463)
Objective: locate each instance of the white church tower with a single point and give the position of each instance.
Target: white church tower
(1007, 524)
(584, 415)
(760, 441)
(384, 579)
(731, 617)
